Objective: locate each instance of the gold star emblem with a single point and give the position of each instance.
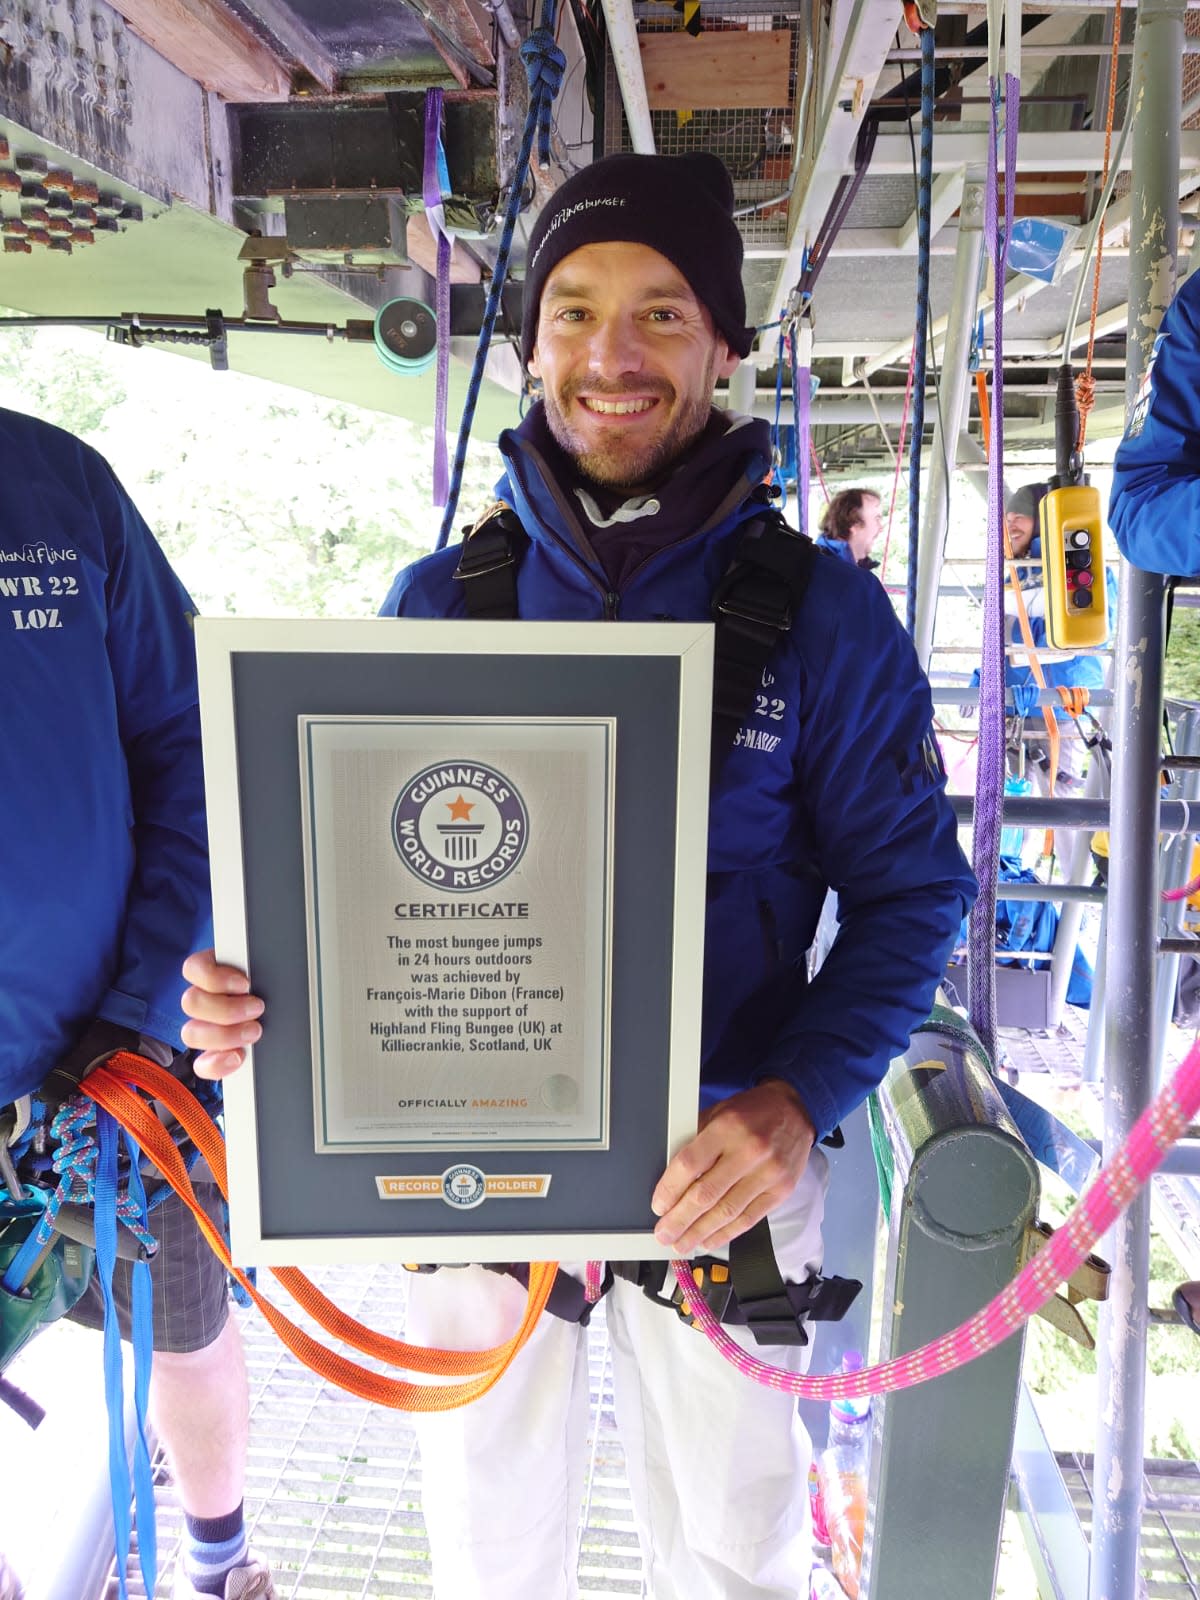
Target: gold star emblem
(460, 809)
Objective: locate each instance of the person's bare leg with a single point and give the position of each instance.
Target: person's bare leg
(200, 1407)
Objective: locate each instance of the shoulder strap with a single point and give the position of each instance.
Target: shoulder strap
(754, 606)
(487, 567)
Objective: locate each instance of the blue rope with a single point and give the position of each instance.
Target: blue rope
(921, 332)
(544, 65)
(777, 450)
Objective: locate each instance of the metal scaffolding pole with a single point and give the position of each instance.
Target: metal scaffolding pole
(1133, 859)
(951, 414)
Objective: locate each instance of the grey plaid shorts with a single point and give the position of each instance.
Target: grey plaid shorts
(191, 1297)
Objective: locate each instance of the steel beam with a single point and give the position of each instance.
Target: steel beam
(1132, 920)
(1064, 151)
(859, 33)
(293, 40)
(377, 146)
(944, 201)
(950, 417)
(622, 41)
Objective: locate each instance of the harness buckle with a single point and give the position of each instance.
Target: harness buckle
(713, 1283)
(484, 553)
(756, 599)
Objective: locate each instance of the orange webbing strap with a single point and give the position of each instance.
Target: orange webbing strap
(985, 413)
(108, 1085)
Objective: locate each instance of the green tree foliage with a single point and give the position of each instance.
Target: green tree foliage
(267, 500)
(1182, 674)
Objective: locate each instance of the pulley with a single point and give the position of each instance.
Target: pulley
(405, 336)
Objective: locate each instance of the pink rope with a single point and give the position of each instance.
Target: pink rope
(1106, 1197)
(1184, 893)
(593, 1281)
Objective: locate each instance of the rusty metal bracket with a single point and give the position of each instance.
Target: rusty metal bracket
(1089, 1281)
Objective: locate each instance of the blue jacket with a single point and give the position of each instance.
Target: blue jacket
(1154, 508)
(103, 851)
(835, 780)
(836, 547)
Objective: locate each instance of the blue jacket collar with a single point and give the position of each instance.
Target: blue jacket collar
(706, 492)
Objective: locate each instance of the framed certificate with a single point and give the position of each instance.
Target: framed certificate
(464, 865)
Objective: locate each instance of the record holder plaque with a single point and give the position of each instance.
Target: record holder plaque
(464, 864)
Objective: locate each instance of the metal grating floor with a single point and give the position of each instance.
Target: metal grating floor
(333, 1490)
(333, 1486)
(1170, 1526)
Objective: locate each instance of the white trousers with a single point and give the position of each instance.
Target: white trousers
(717, 1464)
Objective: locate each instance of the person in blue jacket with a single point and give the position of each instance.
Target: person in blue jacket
(103, 890)
(1082, 671)
(851, 525)
(632, 490)
(1154, 505)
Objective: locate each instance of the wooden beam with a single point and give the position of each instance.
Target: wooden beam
(208, 43)
(422, 249)
(718, 71)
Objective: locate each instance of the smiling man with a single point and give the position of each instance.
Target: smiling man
(635, 497)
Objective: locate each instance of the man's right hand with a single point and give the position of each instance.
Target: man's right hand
(223, 1015)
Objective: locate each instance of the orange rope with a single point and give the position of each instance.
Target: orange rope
(1085, 385)
(108, 1085)
(985, 411)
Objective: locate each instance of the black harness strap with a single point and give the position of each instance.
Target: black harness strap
(775, 1312)
(771, 1307)
(487, 567)
(753, 607)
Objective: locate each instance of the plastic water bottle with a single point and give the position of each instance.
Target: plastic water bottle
(844, 1472)
(825, 1586)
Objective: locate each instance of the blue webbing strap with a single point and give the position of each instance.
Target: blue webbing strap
(777, 451)
(107, 1139)
(989, 791)
(545, 65)
(921, 333)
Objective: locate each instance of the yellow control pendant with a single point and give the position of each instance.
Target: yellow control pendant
(1073, 568)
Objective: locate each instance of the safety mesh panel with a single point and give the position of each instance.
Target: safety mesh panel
(756, 143)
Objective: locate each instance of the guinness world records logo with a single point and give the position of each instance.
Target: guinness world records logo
(460, 825)
(464, 1186)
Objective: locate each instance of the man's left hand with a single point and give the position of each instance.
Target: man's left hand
(750, 1153)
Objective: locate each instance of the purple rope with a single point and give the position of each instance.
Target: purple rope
(432, 193)
(989, 790)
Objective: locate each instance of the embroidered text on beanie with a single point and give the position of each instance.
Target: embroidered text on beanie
(681, 206)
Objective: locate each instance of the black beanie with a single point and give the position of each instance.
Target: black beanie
(681, 206)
